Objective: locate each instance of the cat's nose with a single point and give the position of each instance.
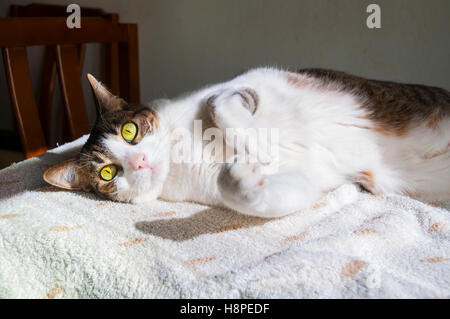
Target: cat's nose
(137, 161)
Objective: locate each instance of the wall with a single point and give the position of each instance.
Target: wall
(187, 44)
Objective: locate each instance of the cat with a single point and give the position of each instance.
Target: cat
(333, 128)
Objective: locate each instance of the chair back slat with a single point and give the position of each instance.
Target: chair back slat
(68, 63)
(112, 67)
(129, 66)
(23, 102)
(47, 88)
(112, 61)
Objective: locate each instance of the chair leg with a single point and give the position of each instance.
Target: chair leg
(66, 134)
(23, 102)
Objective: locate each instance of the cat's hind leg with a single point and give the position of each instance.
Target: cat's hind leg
(245, 188)
(233, 112)
(233, 108)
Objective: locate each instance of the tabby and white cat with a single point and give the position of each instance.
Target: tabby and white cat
(333, 128)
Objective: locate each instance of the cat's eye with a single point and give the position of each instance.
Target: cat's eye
(129, 131)
(108, 172)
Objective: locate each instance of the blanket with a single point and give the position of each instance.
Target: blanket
(62, 244)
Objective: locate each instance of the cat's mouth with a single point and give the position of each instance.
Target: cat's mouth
(155, 169)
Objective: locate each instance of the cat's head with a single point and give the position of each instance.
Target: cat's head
(126, 156)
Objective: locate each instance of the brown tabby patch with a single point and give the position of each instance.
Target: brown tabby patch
(394, 107)
(296, 80)
(366, 181)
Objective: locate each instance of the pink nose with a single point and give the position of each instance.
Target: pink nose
(137, 161)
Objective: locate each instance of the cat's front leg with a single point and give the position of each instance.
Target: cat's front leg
(245, 188)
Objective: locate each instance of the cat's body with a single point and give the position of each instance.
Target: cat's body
(332, 128)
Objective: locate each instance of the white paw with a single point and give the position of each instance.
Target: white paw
(244, 182)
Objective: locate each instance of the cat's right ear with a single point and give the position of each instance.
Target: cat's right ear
(106, 101)
(66, 175)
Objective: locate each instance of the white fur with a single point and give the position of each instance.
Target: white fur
(323, 142)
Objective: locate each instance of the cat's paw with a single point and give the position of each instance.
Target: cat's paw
(233, 107)
(242, 182)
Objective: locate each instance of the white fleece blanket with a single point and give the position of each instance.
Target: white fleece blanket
(60, 244)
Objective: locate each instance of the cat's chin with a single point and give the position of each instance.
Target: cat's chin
(147, 196)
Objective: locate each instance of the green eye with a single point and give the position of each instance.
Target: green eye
(129, 131)
(108, 172)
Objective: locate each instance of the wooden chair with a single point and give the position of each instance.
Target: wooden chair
(66, 48)
(49, 66)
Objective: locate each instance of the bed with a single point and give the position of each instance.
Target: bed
(61, 244)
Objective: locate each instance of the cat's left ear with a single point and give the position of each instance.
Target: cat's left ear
(107, 102)
(66, 175)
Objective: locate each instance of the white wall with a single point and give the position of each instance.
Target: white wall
(186, 44)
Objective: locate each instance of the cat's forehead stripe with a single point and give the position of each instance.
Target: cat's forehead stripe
(95, 152)
(95, 158)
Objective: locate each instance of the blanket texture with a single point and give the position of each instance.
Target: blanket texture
(61, 244)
